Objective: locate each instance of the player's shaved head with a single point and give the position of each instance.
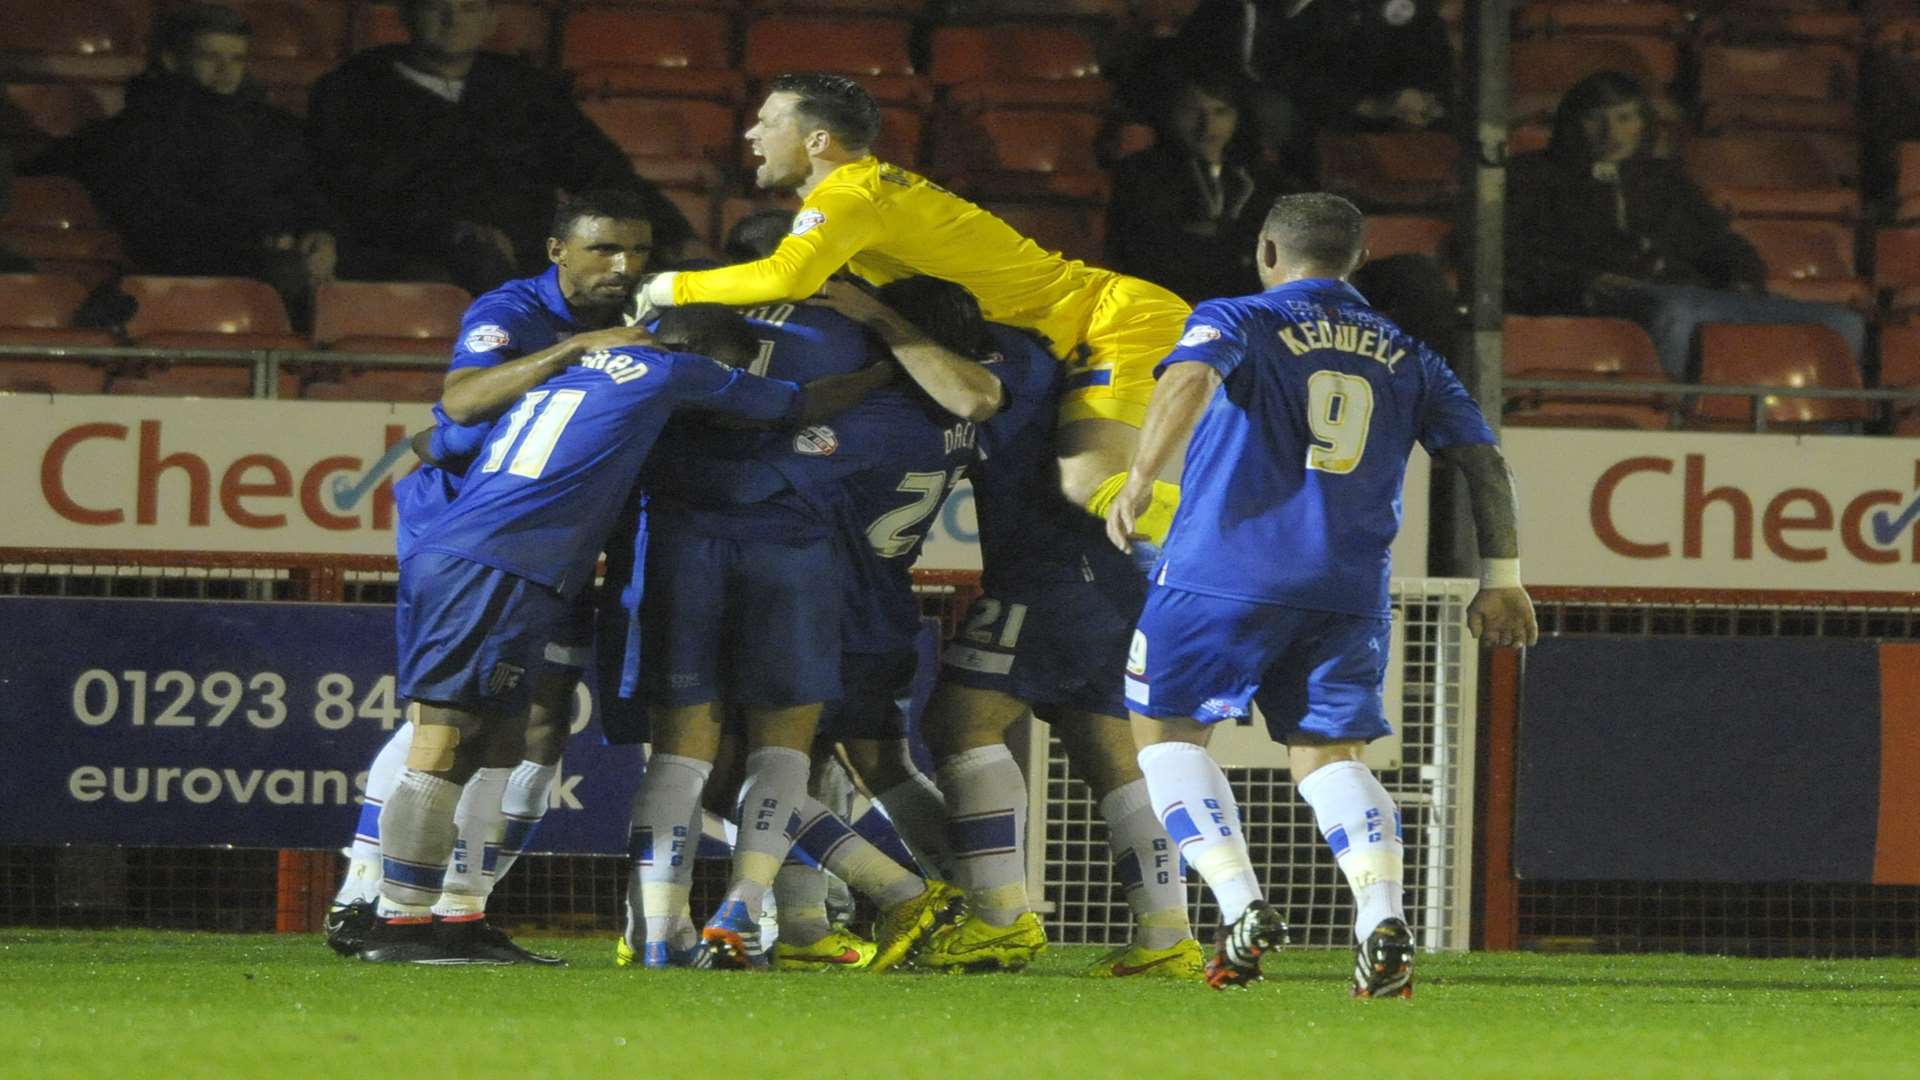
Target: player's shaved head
(757, 235)
(943, 311)
(835, 104)
(710, 330)
(1316, 230)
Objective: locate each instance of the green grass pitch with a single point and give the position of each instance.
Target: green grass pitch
(130, 1004)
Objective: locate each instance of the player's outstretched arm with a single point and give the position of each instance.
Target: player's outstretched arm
(1502, 612)
(473, 394)
(1179, 399)
(824, 397)
(957, 384)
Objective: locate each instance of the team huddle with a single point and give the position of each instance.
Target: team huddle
(758, 451)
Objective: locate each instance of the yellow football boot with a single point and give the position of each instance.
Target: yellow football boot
(841, 950)
(903, 927)
(1183, 960)
(975, 945)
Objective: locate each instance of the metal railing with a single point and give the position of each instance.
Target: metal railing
(266, 363)
(1673, 393)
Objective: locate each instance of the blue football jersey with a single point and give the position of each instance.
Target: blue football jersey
(889, 463)
(1291, 490)
(519, 318)
(548, 486)
(1029, 533)
(720, 481)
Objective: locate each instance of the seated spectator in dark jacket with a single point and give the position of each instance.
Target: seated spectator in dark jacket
(444, 161)
(1597, 225)
(1187, 213)
(198, 174)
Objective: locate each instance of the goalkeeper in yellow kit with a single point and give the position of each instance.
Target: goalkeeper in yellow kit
(884, 223)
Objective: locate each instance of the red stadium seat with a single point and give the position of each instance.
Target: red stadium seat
(876, 50)
(1112, 10)
(1015, 154)
(208, 313)
(167, 379)
(1784, 356)
(1039, 66)
(903, 8)
(1774, 160)
(1749, 24)
(1808, 260)
(733, 209)
(33, 114)
(617, 51)
(1806, 72)
(1389, 234)
(1826, 203)
(388, 316)
(672, 142)
(1896, 258)
(353, 382)
(97, 39)
(50, 219)
(1078, 232)
(1581, 349)
(1733, 115)
(1900, 369)
(1554, 17)
(521, 29)
(1544, 69)
(38, 309)
(1410, 170)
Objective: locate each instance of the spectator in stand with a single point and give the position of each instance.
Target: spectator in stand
(444, 161)
(200, 175)
(1338, 65)
(1597, 226)
(1187, 213)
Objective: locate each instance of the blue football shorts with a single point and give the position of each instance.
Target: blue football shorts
(748, 622)
(470, 635)
(874, 685)
(1053, 645)
(1207, 657)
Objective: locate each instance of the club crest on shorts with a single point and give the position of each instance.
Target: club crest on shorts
(487, 337)
(1199, 335)
(806, 221)
(1137, 654)
(503, 678)
(816, 441)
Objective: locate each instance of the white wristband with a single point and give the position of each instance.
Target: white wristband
(660, 289)
(1499, 573)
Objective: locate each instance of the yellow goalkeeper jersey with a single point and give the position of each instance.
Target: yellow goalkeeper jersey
(885, 223)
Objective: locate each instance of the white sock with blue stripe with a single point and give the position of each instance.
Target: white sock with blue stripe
(476, 847)
(828, 840)
(1145, 867)
(770, 798)
(986, 821)
(524, 805)
(416, 839)
(1195, 804)
(362, 879)
(1362, 826)
(663, 836)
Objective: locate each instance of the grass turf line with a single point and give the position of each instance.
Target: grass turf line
(133, 1003)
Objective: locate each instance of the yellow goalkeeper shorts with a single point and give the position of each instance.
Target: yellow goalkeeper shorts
(1135, 325)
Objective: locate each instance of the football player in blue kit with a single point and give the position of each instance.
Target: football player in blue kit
(489, 579)
(1303, 404)
(511, 339)
(741, 546)
(1050, 633)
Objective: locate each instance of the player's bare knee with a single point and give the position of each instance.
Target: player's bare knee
(1149, 730)
(1306, 757)
(791, 727)
(691, 731)
(961, 718)
(1100, 751)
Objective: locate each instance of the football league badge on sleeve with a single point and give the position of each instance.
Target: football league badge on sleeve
(816, 441)
(1199, 335)
(487, 337)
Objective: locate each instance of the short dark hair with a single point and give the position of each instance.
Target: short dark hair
(174, 33)
(1600, 90)
(708, 329)
(757, 235)
(943, 311)
(1322, 229)
(623, 204)
(834, 102)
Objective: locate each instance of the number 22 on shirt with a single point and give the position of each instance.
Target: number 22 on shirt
(534, 450)
(1339, 410)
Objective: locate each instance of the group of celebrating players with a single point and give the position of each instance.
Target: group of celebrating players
(759, 449)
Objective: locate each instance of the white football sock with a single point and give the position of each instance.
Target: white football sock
(986, 824)
(416, 838)
(524, 804)
(666, 815)
(362, 881)
(801, 894)
(1146, 867)
(476, 847)
(919, 812)
(847, 855)
(1193, 801)
(1362, 826)
(770, 795)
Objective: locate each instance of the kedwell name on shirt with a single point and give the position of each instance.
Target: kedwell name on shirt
(1318, 335)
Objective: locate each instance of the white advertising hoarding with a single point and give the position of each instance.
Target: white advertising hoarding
(1717, 511)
